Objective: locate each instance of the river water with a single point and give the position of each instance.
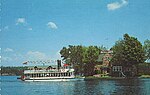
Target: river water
(10, 85)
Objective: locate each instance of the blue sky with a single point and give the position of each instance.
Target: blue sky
(38, 29)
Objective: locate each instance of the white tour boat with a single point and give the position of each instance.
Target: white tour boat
(50, 73)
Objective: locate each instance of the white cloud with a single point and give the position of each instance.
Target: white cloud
(52, 25)
(117, 5)
(36, 55)
(8, 50)
(20, 21)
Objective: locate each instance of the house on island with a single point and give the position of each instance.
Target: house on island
(103, 67)
(123, 70)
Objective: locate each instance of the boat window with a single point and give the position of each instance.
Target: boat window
(32, 75)
(45, 74)
(68, 73)
(62, 74)
(52, 75)
(42, 75)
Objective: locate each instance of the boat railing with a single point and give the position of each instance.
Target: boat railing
(36, 71)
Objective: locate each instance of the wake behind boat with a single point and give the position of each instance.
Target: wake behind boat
(50, 73)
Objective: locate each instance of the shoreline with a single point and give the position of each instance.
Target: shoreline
(103, 78)
(116, 78)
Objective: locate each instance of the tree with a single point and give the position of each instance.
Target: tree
(132, 51)
(117, 53)
(147, 49)
(64, 53)
(82, 58)
(90, 58)
(128, 52)
(73, 55)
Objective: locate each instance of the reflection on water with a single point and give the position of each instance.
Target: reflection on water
(129, 87)
(11, 86)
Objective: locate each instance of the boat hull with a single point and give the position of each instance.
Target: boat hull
(69, 79)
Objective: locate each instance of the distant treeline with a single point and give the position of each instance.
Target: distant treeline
(12, 70)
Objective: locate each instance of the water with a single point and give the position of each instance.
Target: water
(11, 86)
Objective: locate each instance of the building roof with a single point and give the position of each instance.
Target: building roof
(100, 57)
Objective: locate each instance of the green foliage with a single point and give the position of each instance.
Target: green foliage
(128, 51)
(73, 55)
(81, 58)
(91, 56)
(118, 53)
(64, 53)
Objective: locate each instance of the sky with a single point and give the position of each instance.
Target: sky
(39, 29)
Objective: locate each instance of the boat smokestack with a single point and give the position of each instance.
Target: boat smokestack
(59, 64)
